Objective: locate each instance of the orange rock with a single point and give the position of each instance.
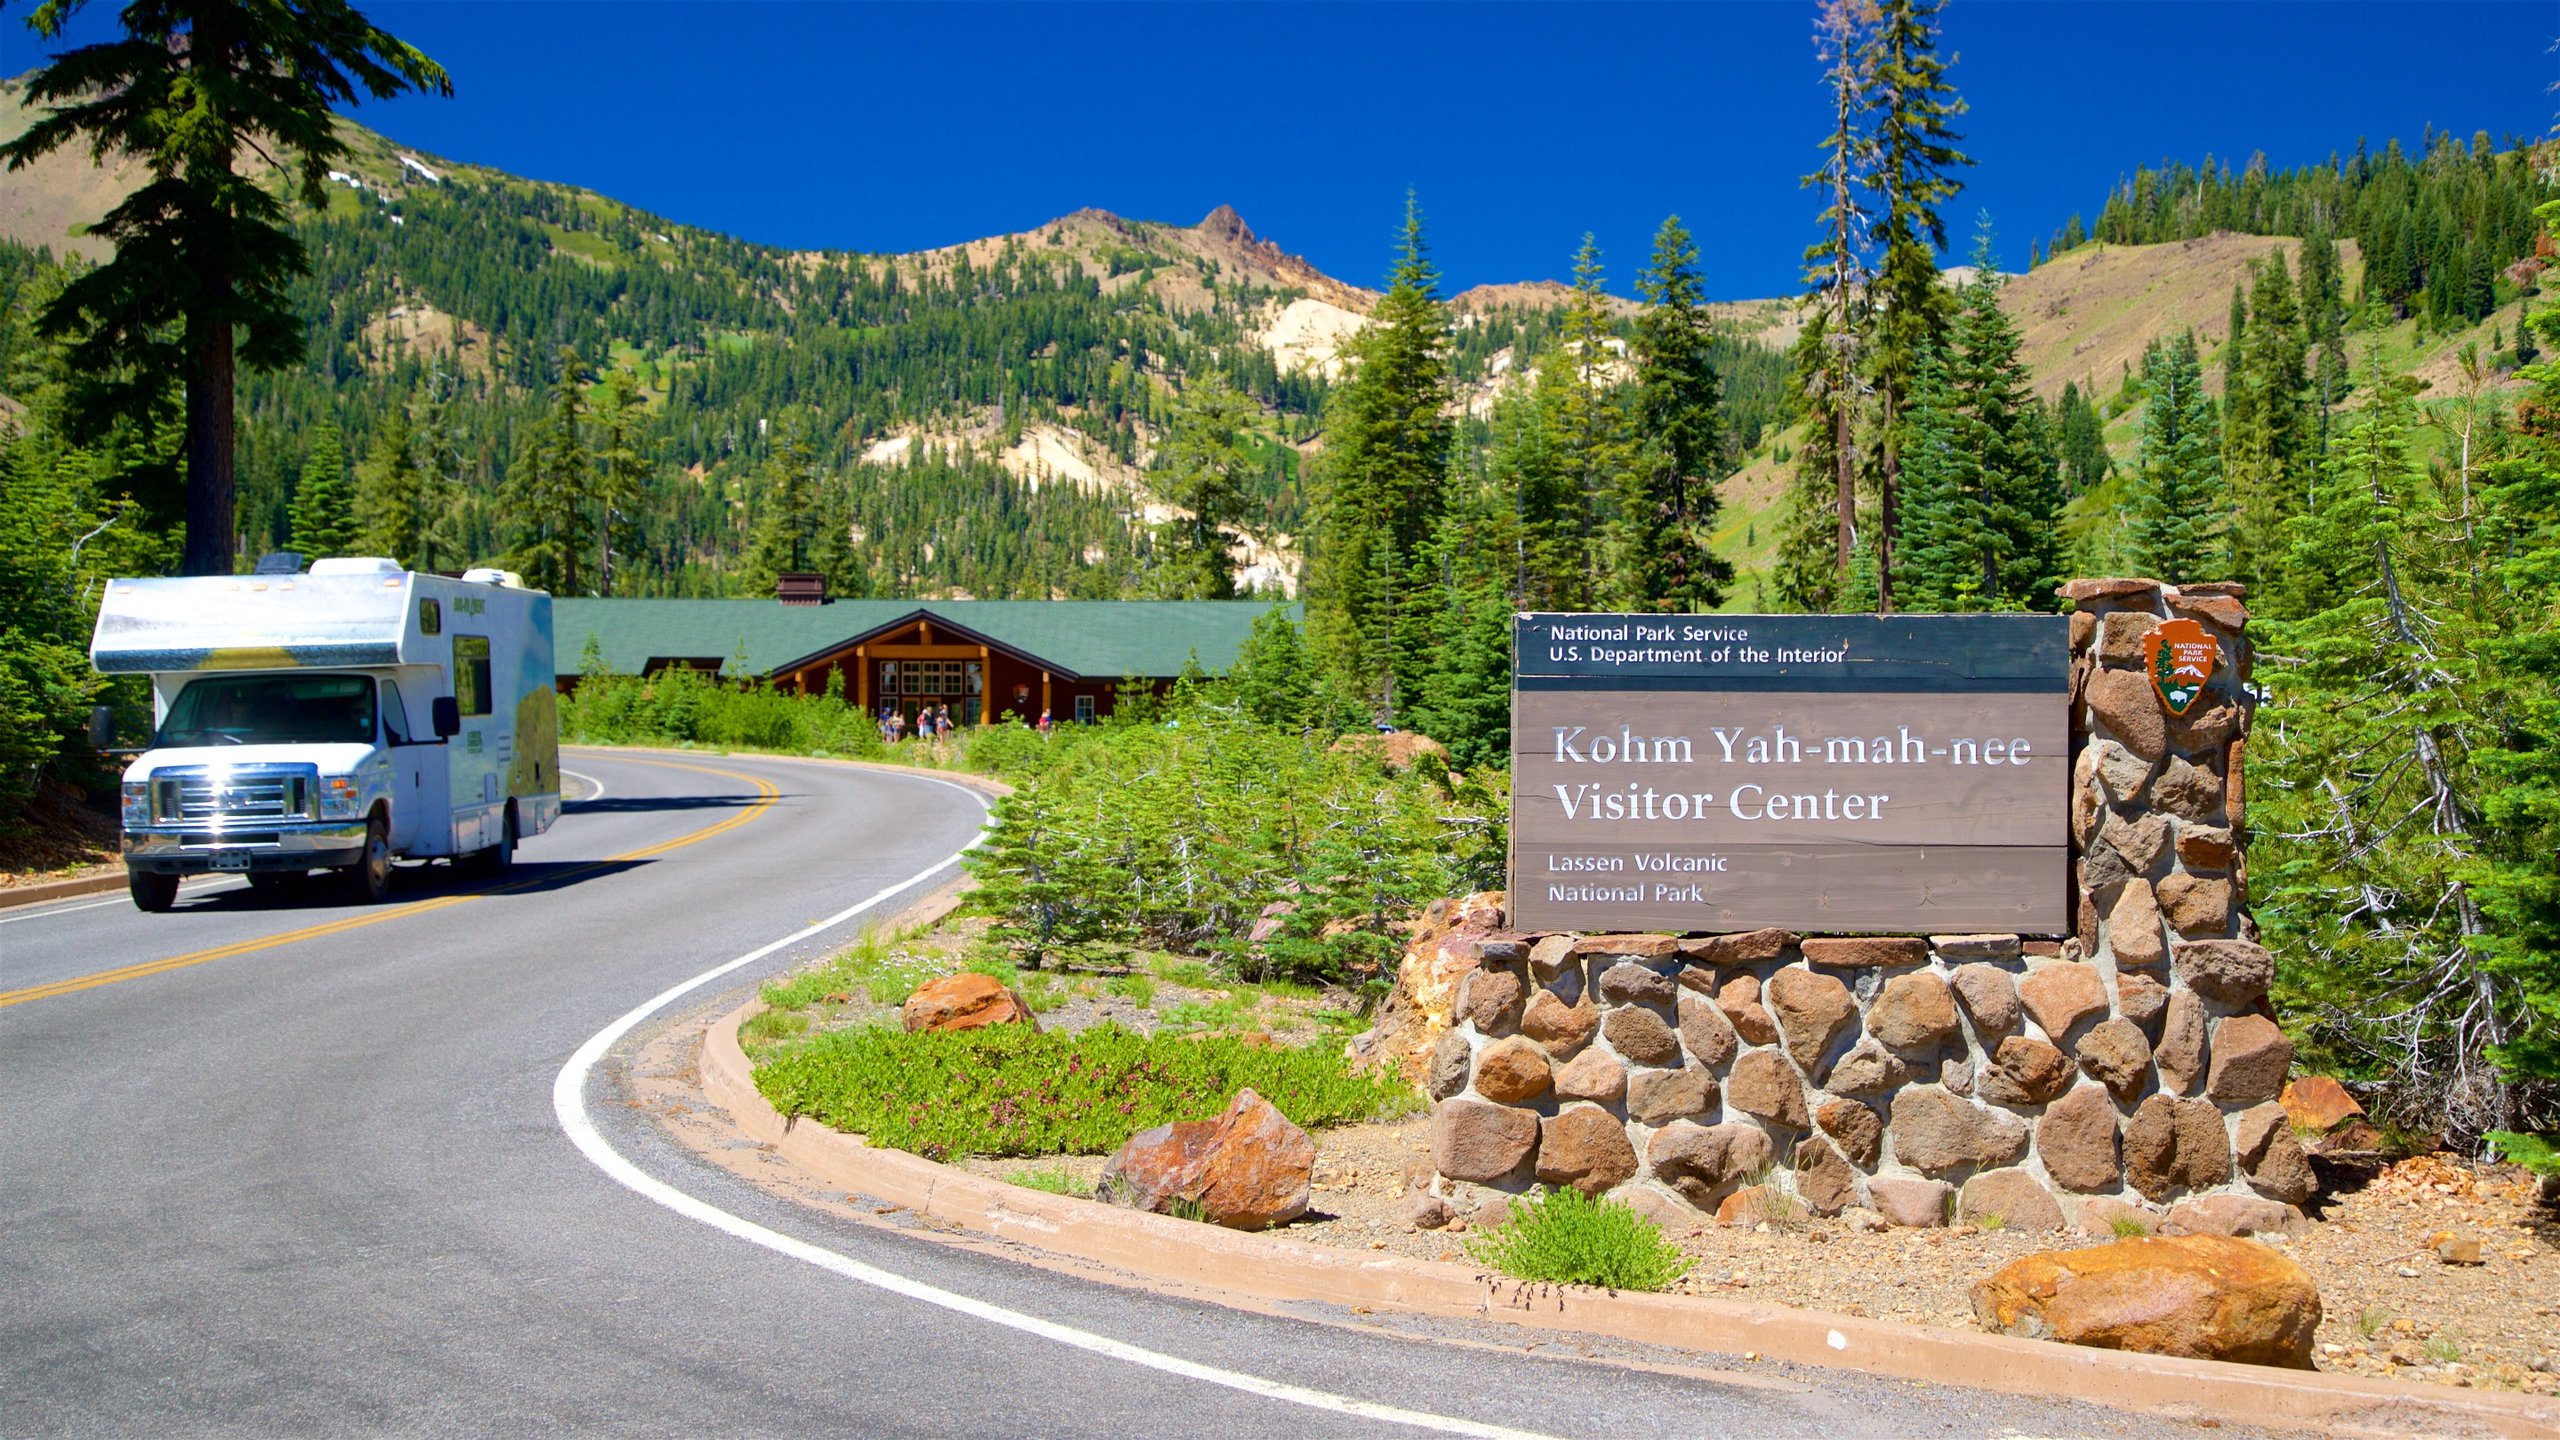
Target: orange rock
(2208, 1297)
(2319, 1102)
(1247, 1170)
(967, 1001)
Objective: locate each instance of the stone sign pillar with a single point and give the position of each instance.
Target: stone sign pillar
(2127, 1070)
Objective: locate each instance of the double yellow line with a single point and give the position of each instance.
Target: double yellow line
(765, 794)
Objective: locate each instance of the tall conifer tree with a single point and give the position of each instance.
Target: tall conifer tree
(1678, 395)
(2178, 504)
(324, 504)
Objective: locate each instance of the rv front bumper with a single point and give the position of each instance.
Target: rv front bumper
(282, 845)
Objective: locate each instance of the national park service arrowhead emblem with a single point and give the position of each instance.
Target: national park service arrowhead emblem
(2181, 654)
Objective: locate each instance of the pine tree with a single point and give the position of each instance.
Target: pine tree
(202, 253)
(390, 510)
(1945, 511)
(2178, 503)
(1823, 379)
(1813, 575)
(547, 486)
(2268, 435)
(324, 504)
(1389, 443)
(621, 473)
(2083, 439)
(1672, 508)
(785, 534)
(1200, 470)
(1274, 677)
(1545, 510)
(1912, 103)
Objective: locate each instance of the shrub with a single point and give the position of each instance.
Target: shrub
(1569, 1238)
(680, 707)
(1010, 1090)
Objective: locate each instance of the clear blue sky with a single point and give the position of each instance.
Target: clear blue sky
(1521, 125)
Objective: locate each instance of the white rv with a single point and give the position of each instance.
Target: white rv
(333, 720)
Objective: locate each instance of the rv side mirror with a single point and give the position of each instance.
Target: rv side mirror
(102, 727)
(448, 717)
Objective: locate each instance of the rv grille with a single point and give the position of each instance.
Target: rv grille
(239, 796)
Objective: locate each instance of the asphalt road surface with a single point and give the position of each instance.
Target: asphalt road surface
(285, 1165)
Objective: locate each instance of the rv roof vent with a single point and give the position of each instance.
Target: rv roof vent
(492, 575)
(355, 565)
(279, 562)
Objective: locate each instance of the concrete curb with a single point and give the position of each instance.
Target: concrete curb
(38, 894)
(1209, 1261)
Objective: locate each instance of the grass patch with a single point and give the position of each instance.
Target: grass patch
(1052, 1181)
(1190, 974)
(2442, 1350)
(1010, 1091)
(769, 1027)
(870, 967)
(2371, 1322)
(1568, 1238)
(2128, 1228)
(1227, 1012)
(1136, 988)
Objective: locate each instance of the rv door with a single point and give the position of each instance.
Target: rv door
(419, 803)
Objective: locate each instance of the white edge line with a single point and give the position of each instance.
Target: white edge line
(590, 779)
(96, 904)
(568, 1103)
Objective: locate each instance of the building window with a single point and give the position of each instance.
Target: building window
(1084, 709)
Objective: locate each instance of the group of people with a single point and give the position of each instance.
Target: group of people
(933, 722)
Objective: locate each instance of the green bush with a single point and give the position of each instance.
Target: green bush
(680, 707)
(1569, 1238)
(2536, 1154)
(1011, 1090)
(1178, 833)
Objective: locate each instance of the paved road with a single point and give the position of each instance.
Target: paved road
(279, 1167)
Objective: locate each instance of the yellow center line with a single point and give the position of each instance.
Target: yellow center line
(766, 794)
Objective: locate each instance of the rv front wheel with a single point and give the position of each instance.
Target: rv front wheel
(369, 879)
(153, 892)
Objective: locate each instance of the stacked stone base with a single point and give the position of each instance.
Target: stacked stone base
(1931, 1079)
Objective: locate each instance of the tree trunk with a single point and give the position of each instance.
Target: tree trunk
(210, 377)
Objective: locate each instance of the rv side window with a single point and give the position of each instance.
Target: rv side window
(471, 674)
(395, 715)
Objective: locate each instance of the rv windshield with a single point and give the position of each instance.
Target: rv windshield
(272, 710)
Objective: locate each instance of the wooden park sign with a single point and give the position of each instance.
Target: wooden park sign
(1820, 773)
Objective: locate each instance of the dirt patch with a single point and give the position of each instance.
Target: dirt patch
(63, 838)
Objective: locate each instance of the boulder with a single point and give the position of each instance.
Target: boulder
(1868, 1068)
(1989, 997)
(2205, 726)
(1628, 983)
(2120, 770)
(1704, 1030)
(1935, 1132)
(1451, 1057)
(2076, 1139)
(2123, 701)
(1560, 1028)
(1249, 1169)
(2024, 1072)
(2017, 1199)
(1913, 1012)
(966, 1001)
(1657, 1207)
(1594, 1075)
(1957, 949)
(2206, 1297)
(1640, 1036)
(2117, 1055)
(2101, 868)
(2120, 638)
(2250, 1057)
(1552, 956)
(2197, 905)
(1762, 1083)
(2175, 1145)
(2133, 927)
(1739, 998)
(1585, 1147)
(2188, 791)
(2181, 1051)
(2318, 1103)
(1912, 1203)
(1746, 947)
(2061, 996)
(1654, 1096)
(1442, 952)
(1491, 1000)
(1811, 1009)
(1704, 1161)
(1866, 952)
(1823, 1180)
(2236, 1215)
(1479, 1141)
(1855, 1127)
(1513, 1071)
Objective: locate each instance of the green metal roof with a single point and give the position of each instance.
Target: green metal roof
(1087, 639)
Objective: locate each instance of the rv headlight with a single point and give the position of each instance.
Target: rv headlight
(341, 798)
(137, 803)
